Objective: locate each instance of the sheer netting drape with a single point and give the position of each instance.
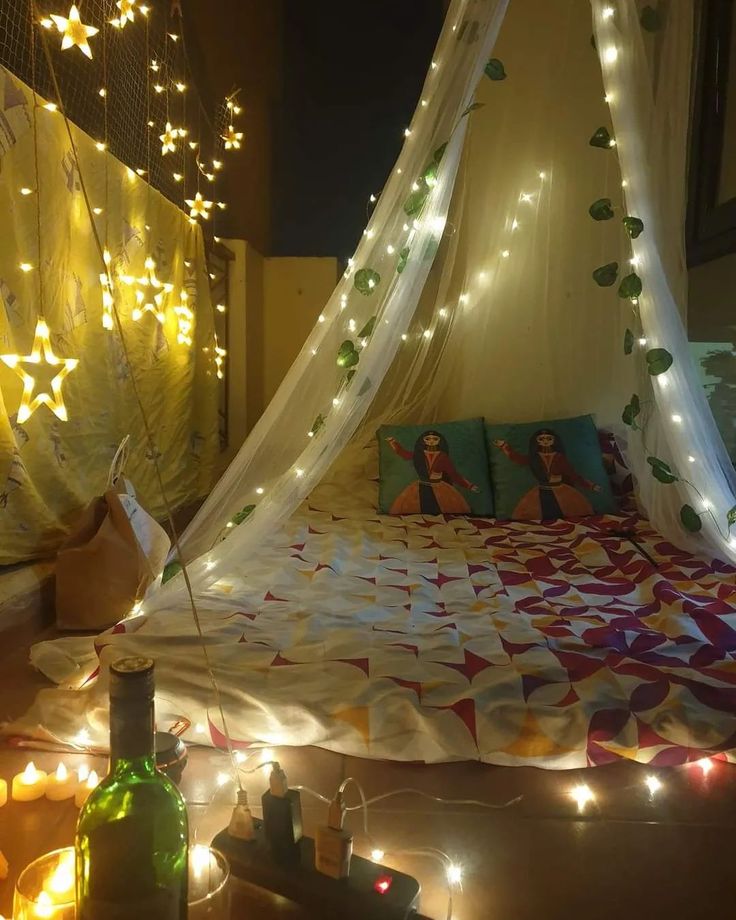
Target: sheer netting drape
(495, 312)
(280, 463)
(648, 88)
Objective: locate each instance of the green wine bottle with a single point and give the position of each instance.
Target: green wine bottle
(132, 836)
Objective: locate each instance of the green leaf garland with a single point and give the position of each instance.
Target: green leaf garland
(602, 139)
(662, 471)
(628, 342)
(367, 330)
(630, 286)
(606, 275)
(731, 516)
(631, 411)
(243, 514)
(347, 355)
(495, 70)
(318, 423)
(634, 226)
(366, 280)
(601, 209)
(472, 107)
(403, 259)
(690, 519)
(658, 360)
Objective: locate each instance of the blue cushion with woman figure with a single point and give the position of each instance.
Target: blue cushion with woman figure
(434, 469)
(547, 470)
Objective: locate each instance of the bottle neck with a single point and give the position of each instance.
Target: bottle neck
(132, 735)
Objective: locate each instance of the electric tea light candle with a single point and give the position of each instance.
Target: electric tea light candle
(61, 785)
(29, 785)
(85, 787)
(3, 792)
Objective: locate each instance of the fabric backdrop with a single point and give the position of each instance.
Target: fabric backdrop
(49, 468)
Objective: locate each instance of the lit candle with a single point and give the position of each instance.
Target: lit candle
(3, 792)
(84, 789)
(62, 880)
(61, 785)
(3, 867)
(29, 785)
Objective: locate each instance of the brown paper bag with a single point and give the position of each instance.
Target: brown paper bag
(115, 552)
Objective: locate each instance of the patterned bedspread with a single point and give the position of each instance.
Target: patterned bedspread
(432, 638)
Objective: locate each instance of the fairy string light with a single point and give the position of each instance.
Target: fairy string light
(42, 361)
(149, 291)
(147, 428)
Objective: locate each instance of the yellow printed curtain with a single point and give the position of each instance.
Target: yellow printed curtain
(50, 468)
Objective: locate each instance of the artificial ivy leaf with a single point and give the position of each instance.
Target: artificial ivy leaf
(661, 470)
(601, 138)
(429, 176)
(347, 356)
(731, 516)
(403, 259)
(663, 476)
(349, 376)
(601, 209)
(318, 423)
(472, 107)
(495, 69)
(592, 43)
(690, 519)
(659, 360)
(368, 328)
(634, 226)
(366, 280)
(243, 514)
(630, 286)
(650, 19)
(439, 153)
(628, 342)
(171, 569)
(416, 201)
(606, 275)
(631, 411)
(655, 461)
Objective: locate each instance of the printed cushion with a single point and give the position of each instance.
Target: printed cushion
(547, 470)
(434, 469)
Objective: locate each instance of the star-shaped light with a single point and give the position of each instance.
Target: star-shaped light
(232, 138)
(198, 207)
(168, 139)
(127, 13)
(39, 360)
(150, 292)
(74, 31)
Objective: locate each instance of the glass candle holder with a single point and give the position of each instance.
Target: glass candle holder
(209, 888)
(45, 888)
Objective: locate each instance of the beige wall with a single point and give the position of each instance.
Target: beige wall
(294, 293)
(273, 304)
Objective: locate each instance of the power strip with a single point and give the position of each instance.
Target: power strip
(370, 892)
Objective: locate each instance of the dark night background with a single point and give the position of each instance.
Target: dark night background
(351, 83)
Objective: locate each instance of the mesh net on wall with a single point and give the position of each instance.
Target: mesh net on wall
(142, 68)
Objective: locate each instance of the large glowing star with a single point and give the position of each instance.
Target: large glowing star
(42, 373)
(198, 207)
(74, 31)
(150, 292)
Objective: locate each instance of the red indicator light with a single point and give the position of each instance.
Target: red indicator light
(382, 883)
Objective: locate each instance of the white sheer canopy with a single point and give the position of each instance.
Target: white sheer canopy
(505, 320)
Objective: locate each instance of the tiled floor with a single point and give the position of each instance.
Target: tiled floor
(630, 855)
